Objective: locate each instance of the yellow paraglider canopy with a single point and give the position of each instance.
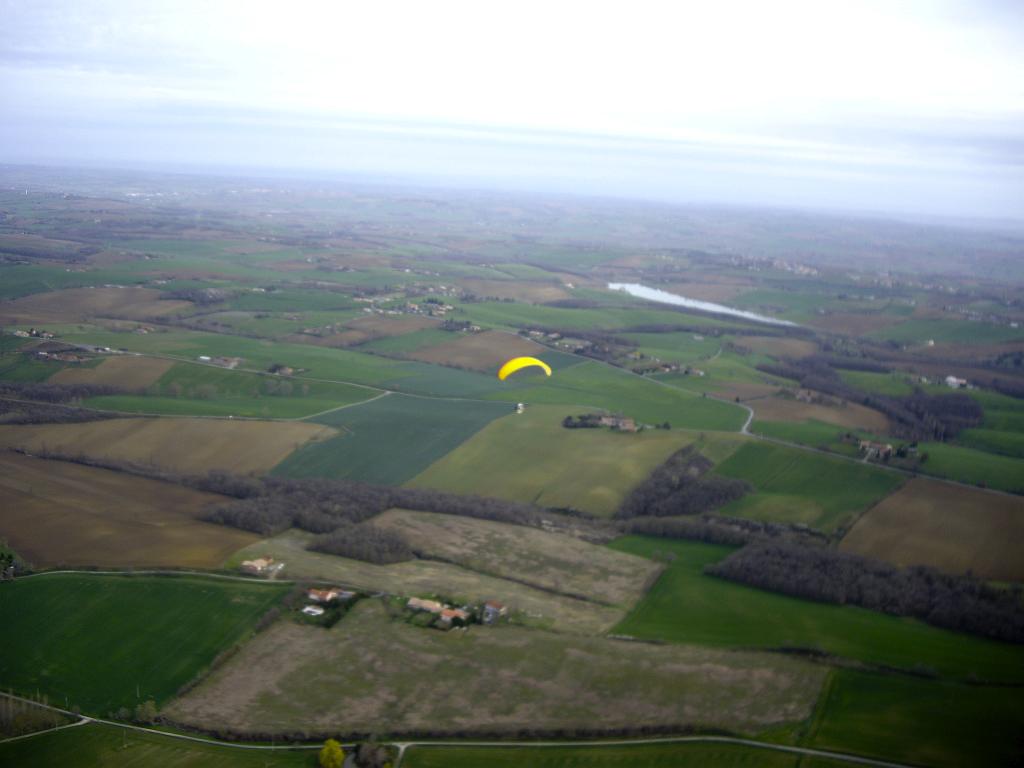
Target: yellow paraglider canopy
(516, 363)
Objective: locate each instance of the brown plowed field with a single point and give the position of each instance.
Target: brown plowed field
(128, 372)
(484, 351)
(77, 304)
(58, 513)
(946, 526)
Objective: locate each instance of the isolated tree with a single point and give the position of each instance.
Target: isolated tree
(332, 755)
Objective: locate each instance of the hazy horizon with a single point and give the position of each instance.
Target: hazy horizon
(916, 111)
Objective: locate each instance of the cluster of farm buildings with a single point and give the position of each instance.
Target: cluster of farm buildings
(446, 616)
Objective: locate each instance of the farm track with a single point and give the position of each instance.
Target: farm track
(404, 745)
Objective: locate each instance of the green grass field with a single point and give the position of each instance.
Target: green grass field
(993, 441)
(105, 746)
(532, 457)
(966, 465)
(895, 384)
(204, 390)
(798, 486)
(812, 432)
(685, 606)
(104, 642)
(922, 722)
(952, 331)
(390, 439)
(595, 385)
(651, 756)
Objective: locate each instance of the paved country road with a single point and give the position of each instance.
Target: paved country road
(405, 745)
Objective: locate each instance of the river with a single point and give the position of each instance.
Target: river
(664, 297)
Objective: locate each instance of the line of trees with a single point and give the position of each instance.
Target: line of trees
(681, 486)
(271, 505)
(366, 542)
(719, 529)
(13, 412)
(55, 393)
(960, 603)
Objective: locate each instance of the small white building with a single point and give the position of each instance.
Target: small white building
(954, 383)
(313, 610)
(520, 407)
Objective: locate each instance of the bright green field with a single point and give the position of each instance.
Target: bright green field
(531, 457)
(654, 756)
(922, 722)
(967, 465)
(993, 441)
(598, 386)
(206, 390)
(796, 486)
(685, 606)
(391, 439)
(92, 640)
(814, 433)
(895, 384)
(104, 746)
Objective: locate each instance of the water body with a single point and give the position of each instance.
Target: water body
(664, 297)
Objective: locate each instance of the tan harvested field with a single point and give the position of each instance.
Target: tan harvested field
(949, 527)
(77, 304)
(426, 577)
(367, 328)
(518, 290)
(58, 513)
(850, 415)
(132, 372)
(744, 390)
(484, 351)
(177, 444)
(373, 672)
(778, 346)
(551, 561)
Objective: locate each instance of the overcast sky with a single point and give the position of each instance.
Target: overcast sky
(888, 106)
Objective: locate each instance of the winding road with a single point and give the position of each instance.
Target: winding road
(403, 746)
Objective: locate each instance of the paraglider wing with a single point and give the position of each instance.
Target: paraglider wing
(516, 363)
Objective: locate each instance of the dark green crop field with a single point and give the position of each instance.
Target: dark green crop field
(105, 746)
(648, 755)
(803, 487)
(921, 722)
(685, 606)
(390, 439)
(104, 642)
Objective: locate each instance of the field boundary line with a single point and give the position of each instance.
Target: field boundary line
(82, 720)
(343, 407)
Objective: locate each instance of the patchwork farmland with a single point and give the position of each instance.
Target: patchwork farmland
(522, 457)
